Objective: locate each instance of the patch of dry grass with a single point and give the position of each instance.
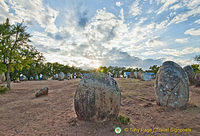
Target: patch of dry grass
(129, 94)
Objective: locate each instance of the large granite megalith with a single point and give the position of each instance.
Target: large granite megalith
(97, 98)
(190, 73)
(171, 85)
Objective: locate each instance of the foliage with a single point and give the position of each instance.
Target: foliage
(196, 68)
(117, 70)
(153, 69)
(3, 89)
(15, 52)
(197, 58)
(123, 120)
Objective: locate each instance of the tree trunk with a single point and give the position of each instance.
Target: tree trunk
(8, 76)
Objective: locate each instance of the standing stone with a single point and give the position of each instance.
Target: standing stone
(136, 75)
(68, 76)
(197, 80)
(140, 74)
(36, 77)
(23, 78)
(190, 73)
(131, 74)
(55, 77)
(171, 85)
(146, 77)
(97, 98)
(61, 76)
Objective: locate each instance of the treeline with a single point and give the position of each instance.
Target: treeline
(121, 70)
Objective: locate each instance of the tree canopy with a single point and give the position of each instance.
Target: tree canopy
(15, 50)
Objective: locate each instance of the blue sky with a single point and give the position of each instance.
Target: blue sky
(93, 33)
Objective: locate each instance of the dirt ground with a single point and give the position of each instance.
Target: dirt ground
(21, 114)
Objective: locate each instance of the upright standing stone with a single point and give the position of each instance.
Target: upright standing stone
(55, 77)
(140, 74)
(190, 73)
(146, 77)
(97, 98)
(36, 77)
(136, 75)
(61, 76)
(68, 76)
(197, 80)
(131, 74)
(171, 85)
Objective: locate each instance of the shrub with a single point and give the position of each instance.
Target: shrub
(3, 89)
(123, 120)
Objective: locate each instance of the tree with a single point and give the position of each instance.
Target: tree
(197, 58)
(154, 69)
(13, 47)
(196, 68)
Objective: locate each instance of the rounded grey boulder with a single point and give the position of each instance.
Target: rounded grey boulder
(171, 85)
(61, 76)
(97, 98)
(190, 73)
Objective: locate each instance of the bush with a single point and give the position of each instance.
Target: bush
(123, 120)
(3, 89)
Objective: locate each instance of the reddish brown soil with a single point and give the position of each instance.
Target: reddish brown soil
(21, 114)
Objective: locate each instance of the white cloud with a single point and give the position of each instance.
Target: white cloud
(190, 50)
(181, 62)
(141, 20)
(183, 40)
(31, 11)
(191, 4)
(193, 31)
(175, 52)
(135, 9)
(155, 43)
(184, 16)
(197, 21)
(176, 6)
(162, 25)
(166, 4)
(118, 4)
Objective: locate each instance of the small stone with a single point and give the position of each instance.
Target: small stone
(97, 98)
(43, 91)
(171, 86)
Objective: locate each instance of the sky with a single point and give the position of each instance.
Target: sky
(93, 33)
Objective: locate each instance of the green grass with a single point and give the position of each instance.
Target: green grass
(123, 120)
(3, 89)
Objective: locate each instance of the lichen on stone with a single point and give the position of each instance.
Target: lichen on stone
(171, 85)
(97, 98)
